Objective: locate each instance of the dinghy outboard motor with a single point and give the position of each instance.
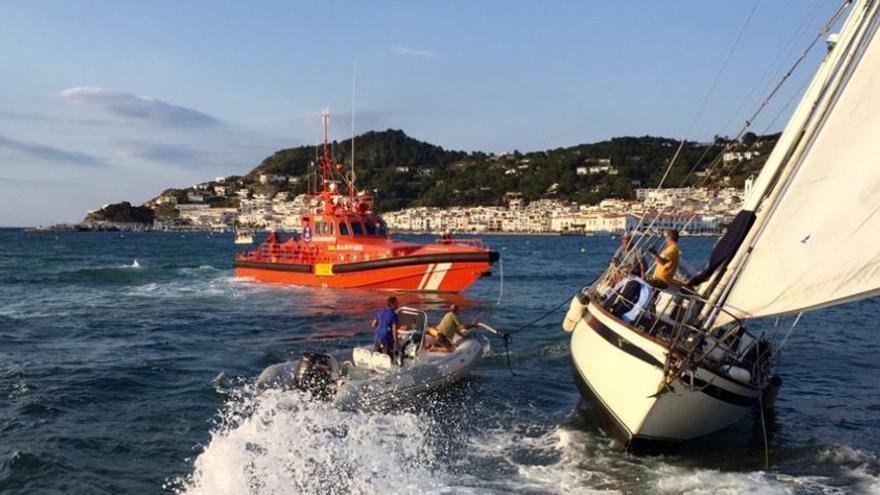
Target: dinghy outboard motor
(316, 373)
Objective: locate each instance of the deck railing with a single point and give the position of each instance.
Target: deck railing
(478, 243)
(304, 255)
(673, 316)
(278, 253)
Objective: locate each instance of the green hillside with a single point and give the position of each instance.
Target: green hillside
(403, 171)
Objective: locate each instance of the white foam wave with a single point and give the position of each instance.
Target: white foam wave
(564, 460)
(199, 270)
(13, 382)
(217, 286)
(846, 455)
(134, 265)
(551, 462)
(673, 479)
(863, 467)
(277, 443)
(859, 467)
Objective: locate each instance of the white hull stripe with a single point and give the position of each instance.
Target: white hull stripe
(427, 275)
(437, 276)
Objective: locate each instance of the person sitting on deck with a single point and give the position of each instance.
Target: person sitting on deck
(626, 258)
(667, 262)
(447, 329)
(630, 296)
(386, 324)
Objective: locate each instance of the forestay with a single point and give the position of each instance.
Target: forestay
(820, 244)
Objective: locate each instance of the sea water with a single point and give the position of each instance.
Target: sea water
(127, 365)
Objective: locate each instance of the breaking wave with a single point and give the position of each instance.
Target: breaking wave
(278, 442)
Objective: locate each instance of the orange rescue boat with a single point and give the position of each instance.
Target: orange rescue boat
(345, 244)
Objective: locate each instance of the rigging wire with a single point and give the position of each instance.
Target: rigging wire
(788, 334)
(507, 338)
(545, 315)
(825, 28)
(500, 280)
(763, 423)
(702, 108)
(746, 125)
(785, 107)
(775, 67)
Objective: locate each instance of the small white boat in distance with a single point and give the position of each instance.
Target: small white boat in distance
(244, 237)
(363, 378)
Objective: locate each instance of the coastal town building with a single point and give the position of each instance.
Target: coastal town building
(693, 211)
(689, 210)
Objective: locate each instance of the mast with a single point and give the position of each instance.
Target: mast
(326, 169)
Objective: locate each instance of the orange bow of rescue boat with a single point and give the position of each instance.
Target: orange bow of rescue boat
(345, 244)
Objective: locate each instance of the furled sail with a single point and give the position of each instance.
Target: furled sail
(819, 244)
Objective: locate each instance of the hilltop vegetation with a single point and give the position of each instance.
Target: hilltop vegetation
(403, 171)
(122, 212)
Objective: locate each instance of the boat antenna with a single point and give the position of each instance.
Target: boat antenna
(325, 160)
(351, 189)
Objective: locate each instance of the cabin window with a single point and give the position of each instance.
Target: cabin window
(357, 229)
(330, 227)
(383, 228)
(324, 228)
(343, 228)
(371, 228)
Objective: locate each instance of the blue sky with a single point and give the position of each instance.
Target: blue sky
(108, 101)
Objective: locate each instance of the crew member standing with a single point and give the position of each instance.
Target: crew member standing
(666, 262)
(386, 323)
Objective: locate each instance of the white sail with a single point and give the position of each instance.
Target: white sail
(819, 243)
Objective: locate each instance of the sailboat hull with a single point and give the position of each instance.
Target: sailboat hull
(623, 370)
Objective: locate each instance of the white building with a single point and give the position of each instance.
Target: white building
(739, 156)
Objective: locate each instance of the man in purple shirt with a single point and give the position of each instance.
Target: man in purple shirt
(386, 323)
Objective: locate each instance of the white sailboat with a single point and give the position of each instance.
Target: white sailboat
(808, 237)
(244, 236)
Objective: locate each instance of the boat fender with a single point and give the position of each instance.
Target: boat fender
(575, 311)
(737, 373)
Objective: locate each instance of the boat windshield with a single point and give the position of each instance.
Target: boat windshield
(415, 321)
(324, 228)
(343, 228)
(371, 228)
(357, 229)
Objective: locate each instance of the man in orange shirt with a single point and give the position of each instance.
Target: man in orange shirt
(666, 263)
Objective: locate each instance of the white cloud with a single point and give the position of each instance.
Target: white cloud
(406, 51)
(133, 108)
